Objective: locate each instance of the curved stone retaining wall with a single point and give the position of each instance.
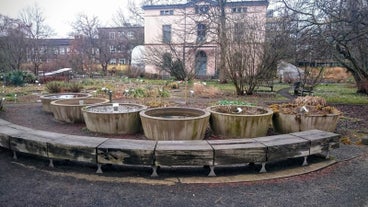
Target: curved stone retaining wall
(212, 153)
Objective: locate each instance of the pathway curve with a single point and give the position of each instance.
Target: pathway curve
(285, 93)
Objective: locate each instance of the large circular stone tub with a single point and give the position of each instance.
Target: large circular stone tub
(289, 123)
(237, 121)
(175, 123)
(113, 118)
(69, 110)
(47, 99)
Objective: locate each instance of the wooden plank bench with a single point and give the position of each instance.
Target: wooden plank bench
(28, 143)
(238, 151)
(183, 153)
(27, 140)
(285, 146)
(5, 133)
(74, 148)
(4, 123)
(321, 142)
(126, 152)
(166, 153)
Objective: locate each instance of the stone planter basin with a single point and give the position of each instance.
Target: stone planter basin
(174, 123)
(237, 121)
(69, 110)
(113, 118)
(289, 123)
(47, 99)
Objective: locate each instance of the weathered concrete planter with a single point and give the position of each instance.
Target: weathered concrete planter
(69, 110)
(175, 123)
(47, 99)
(289, 123)
(251, 122)
(113, 118)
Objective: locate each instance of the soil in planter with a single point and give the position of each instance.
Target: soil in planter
(296, 109)
(242, 110)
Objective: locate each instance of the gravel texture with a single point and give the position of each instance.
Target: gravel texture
(28, 182)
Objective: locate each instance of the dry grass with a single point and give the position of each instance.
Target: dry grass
(201, 89)
(336, 74)
(310, 101)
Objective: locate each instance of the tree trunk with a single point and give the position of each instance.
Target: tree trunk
(362, 86)
(222, 42)
(104, 69)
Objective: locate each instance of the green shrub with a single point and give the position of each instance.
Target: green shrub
(163, 93)
(74, 87)
(54, 86)
(19, 78)
(234, 102)
(29, 77)
(138, 93)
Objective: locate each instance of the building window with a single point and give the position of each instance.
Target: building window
(130, 35)
(62, 51)
(166, 33)
(239, 9)
(111, 35)
(202, 9)
(201, 63)
(239, 29)
(122, 61)
(113, 61)
(201, 32)
(112, 49)
(166, 12)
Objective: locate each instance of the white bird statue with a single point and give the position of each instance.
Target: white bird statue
(238, 110)
(304, 109)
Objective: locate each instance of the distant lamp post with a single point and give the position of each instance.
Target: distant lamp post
(109, 92)
(3, 77)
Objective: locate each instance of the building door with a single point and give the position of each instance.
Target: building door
(201, 63)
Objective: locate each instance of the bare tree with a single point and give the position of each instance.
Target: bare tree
(170, 59)
(132, 16)
(252, 56)
(297, 45)
(13, 43)
(343, 25)
(86, 34)
(222, 39)
(36, 31)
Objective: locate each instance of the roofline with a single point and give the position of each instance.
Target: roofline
(130, 27)
(191, 3)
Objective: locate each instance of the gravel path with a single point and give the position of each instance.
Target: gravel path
(25, 182)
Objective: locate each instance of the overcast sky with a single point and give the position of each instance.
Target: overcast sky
(60, 14)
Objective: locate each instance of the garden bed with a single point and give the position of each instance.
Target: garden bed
(351, 124)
